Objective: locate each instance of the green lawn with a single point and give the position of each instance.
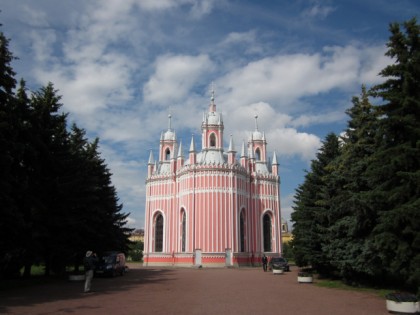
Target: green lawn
(337, 284)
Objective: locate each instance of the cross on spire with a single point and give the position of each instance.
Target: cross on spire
(212, 105)
(169, 122)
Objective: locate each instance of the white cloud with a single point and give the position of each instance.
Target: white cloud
(201, 8)
(87, 87)
(286, 141)
(174, 77)
(289, 142)
(34, 17)
(318, 11)
(159, 4)
(284, 79)
(312, 119)
(120, 65)
(131, 222)
(239, 37)
(43, 42)
(198, 8)
(373, 61)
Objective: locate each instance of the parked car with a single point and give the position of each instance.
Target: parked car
(111, 264)
(279, 263)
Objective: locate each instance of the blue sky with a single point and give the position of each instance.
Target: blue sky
(123, 65)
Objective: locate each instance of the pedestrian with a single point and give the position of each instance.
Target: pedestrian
(90, 262)
(264, 262)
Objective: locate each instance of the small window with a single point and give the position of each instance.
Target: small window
(284, 227)
(184, 227)
(267, 232)
(258, 154)
(159, 233)
(167, 154)
(242, 231)
(212, 140)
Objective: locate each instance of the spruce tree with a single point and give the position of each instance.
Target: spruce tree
(50, 144)
(311, 210)
(395, 168)
(352, 214)
(10, 226)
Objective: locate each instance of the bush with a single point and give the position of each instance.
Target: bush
(135, 252)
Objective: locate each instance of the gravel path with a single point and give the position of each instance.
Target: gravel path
(190, 291)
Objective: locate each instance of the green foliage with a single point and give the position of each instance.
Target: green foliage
(287, 251)
(56, 194)
(136, 251)
(357, 213)
(311, 210)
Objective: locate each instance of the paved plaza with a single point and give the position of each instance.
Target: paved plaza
(190, 291)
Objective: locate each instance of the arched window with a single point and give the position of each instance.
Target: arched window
(212, 140)
(258, 154)
(159, 233)
(242, 232)
(184, 227)
(284, 227)
(267, 232)
(167, 154)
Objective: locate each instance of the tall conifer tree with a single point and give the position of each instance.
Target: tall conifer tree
(312, 206)
(352, 214)
(10, 217)
(395, 171)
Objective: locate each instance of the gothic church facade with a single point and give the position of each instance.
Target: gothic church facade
(213, 208)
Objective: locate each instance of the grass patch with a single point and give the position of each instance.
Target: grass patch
(337, 284)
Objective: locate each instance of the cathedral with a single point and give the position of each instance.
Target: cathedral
(212, 208)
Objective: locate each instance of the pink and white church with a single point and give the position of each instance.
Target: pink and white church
(212, 208)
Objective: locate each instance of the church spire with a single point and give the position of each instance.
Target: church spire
(243, 149)
(151, 159)
(275, 159)
(231, 145)
(180, 151)
(150, 165)
(275, 164)
(192, 146)
(256, 122)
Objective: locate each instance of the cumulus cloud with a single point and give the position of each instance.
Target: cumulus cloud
(121, 66)
(305, 120)
(284, 79)
(282, 138)
(198, 8)
(289, 142)
(174, 77)
(87, 87)
(318, 11)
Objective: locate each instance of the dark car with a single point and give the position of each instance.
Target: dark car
(279, 263)
(111, 264)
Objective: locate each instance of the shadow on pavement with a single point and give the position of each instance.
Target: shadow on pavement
(61, 289)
